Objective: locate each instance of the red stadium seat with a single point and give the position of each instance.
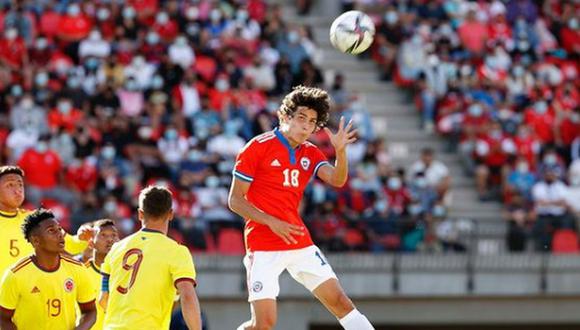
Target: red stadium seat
(230, 242)
(565, 241)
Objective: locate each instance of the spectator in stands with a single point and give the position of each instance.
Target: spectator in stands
(473, 33)
(573, 195)
(551, 207)
(435, 172)
(520, 180)
(520, 220)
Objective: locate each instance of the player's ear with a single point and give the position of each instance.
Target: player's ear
(140, 215)
(170, 215)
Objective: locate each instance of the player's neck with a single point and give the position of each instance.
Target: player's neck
(98, 258)
(293, 143)
(162, 226)
(46, 261)
(7, 209)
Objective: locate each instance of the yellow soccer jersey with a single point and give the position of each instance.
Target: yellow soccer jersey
(50, 299)
(96, 278)
(13, 245)
(143, 269)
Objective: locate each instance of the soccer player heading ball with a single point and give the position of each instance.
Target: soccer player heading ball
(270, 176)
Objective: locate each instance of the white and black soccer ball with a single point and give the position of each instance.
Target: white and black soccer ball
(352, 32)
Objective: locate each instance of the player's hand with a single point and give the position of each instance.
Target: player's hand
(286, 231)
(344, 135)
(85, 232)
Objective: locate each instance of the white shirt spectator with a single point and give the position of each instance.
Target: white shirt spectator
(19, 140)
(262, 75)
(269, 55)
(181, 53)
(95, 46)
(554, 192)
(573, 196)
(172, 147)
(436, 172)
(190, 97)
(226, 145)
(141, 71)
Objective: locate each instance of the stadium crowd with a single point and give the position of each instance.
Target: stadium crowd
(499, 80)
(99, 99)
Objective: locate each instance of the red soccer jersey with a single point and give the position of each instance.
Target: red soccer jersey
(278, 176)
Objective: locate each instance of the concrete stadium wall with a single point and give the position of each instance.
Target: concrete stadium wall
(411, 289)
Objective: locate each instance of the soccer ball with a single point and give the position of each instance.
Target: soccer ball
(352, 32)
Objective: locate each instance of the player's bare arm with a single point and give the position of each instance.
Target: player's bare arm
(6, 319)
(89, 316)
(238, 203)
(189, 305)
(337, 175)
(103, 300)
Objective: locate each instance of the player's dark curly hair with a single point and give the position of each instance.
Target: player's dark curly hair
(9, 169)
(33, 220)
(155, 201)
(311, 97)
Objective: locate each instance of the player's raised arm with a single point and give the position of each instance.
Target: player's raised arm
(189, 305)
(337, 175)
(238, 203)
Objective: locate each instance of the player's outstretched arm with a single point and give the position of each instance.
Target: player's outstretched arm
(337, 175)
(189, 305)
(238, 203)
(6, 319)
(89, 316)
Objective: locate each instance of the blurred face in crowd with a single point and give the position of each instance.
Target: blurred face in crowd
(11, 192)
(300, 125)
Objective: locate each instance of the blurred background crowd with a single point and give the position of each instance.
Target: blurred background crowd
(99, 99)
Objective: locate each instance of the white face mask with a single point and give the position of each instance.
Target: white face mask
(41, 43)
(129, 12)
(103, 14)
(42, 147)
(394, 183)
(222, 85)
(522, 167)
(162, 18)
(95, 35)
(212, 182)
(11, 34)
(64, 107)
(73, 10)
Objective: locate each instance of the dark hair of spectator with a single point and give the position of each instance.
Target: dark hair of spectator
(310, 97)
(9, 169)
(155, 201)
(33, 220)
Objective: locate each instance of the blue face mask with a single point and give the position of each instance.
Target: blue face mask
(171, 134)
(475, 110)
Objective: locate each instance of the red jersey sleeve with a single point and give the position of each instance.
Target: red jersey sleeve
(247, 161)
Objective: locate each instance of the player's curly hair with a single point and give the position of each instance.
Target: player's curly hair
(311, 97)
(10, 169)
(33, 220)
(155, 201)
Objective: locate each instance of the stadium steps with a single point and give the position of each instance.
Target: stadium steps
(396, 119)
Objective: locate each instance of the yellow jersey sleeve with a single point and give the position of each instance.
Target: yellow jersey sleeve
(181, 265)
(74, 245)
(9, 291)
(86, 289)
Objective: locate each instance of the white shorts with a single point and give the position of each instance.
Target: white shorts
(307, 266)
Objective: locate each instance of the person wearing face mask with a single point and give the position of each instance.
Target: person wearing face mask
(13, 51)
(388, 38)
(44, 171)
(551, 160)
(131, 98)
(540, 118)
(570, 36)
(291, 48)
(520, 180)
(574, 188)
(165, 26)
(64, 115)
(398, 196)
(227, 144)
(74, 25)
(172, 147)
(181, 53)
(491, 153)
(551, 206)
(26, 114)
(421, 192)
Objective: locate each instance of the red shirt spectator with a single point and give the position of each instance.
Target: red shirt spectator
(82, 176)
(541, 120)
(42, 167)
(570, 37)
(473, 34)
(494, 147)
(568, 128)
(49, 23)
(397, 195)
(144, 8)
(257, 10)
(165, 27)
(499, 29)
(74, 27)
(527, 145)
(64, 116)
(13, 49)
